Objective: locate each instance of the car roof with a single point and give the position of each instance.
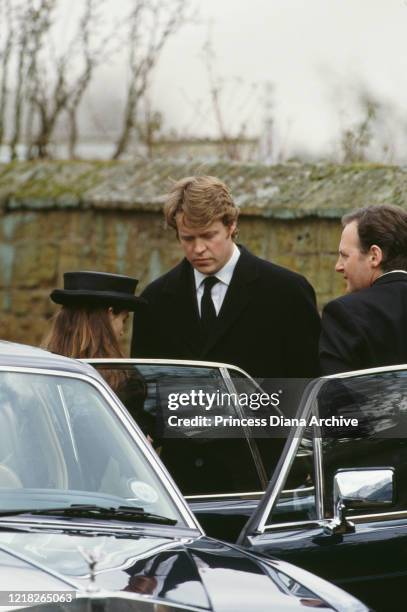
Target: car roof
(25, 356)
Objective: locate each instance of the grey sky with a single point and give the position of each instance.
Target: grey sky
(319, 54)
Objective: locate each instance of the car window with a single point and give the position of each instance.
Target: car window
(61, 443)
(297, 500)
(268, 445)
(200, 465)
(379, 403)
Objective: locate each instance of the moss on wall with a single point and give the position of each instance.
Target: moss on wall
(60, 216)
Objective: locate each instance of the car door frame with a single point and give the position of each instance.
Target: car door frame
(259, 533)
(226, 503)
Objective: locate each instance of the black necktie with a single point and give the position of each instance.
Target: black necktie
(208, 312)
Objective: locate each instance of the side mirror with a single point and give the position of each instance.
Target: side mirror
(360, 488)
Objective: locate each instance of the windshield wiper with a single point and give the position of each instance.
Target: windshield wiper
(121, 513)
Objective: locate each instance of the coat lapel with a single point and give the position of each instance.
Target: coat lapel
(180, 290)
(236, 299)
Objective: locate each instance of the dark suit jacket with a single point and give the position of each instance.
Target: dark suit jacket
(367, 328)
(268, 324)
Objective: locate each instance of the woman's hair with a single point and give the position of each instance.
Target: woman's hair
(85, 332)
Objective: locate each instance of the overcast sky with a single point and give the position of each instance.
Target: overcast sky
(319, 55)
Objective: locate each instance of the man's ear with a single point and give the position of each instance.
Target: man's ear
(375, 256)
(232, 227)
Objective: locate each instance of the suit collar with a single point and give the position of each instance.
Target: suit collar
(391, 277)
(224, 275)
(244, 272)
(180, 284)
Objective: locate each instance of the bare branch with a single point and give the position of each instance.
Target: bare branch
(92, 17)
(161, 20)
(5, 59)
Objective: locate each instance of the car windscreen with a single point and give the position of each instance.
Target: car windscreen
(62, 443)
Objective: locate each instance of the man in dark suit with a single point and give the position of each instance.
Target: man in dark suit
(368, 327)
(221, 303)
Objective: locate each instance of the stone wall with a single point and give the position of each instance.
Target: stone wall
(57, 217)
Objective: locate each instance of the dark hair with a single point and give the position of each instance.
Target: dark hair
(85, 332)
(386, 226)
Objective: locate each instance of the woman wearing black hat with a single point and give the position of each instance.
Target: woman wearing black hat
(95, 307)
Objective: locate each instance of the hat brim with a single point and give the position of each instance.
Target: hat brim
(74, 297)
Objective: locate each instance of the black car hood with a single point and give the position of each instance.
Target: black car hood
(197, 572)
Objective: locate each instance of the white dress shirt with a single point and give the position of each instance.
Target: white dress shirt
(224, 275)
(392, 272)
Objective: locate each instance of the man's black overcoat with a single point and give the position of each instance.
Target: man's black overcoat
(367, 328)
(268, 324)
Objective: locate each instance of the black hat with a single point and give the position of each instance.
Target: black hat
(97, 288)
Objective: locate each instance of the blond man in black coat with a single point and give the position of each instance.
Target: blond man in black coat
(222, 303)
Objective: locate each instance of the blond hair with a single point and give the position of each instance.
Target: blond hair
(200, 200)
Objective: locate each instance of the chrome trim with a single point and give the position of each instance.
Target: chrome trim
(319, 474)
(254, 451)
(225, 495)
(296, 437)
(294, 525)
(368, 371)
(312, 488)
(187, 362)
(279, 482)
(363, 518)
(68, 422)
(233, 507)
(242, 495)
(359, 519)
(135, 432)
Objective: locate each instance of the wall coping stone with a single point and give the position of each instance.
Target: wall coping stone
(286, 191)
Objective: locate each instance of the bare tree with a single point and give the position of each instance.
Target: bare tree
(51, 80)
(50, 94)
(151, 23)
(41, 21)
(27, 22)
(268, 152)
(58, 87)
(215, 91)
(148, 125)
(5, 55)
(231, 143)
(93, 56)
(356, 140)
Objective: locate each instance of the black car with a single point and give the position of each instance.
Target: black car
(90, 519)
(336, 501)
(222, 479)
